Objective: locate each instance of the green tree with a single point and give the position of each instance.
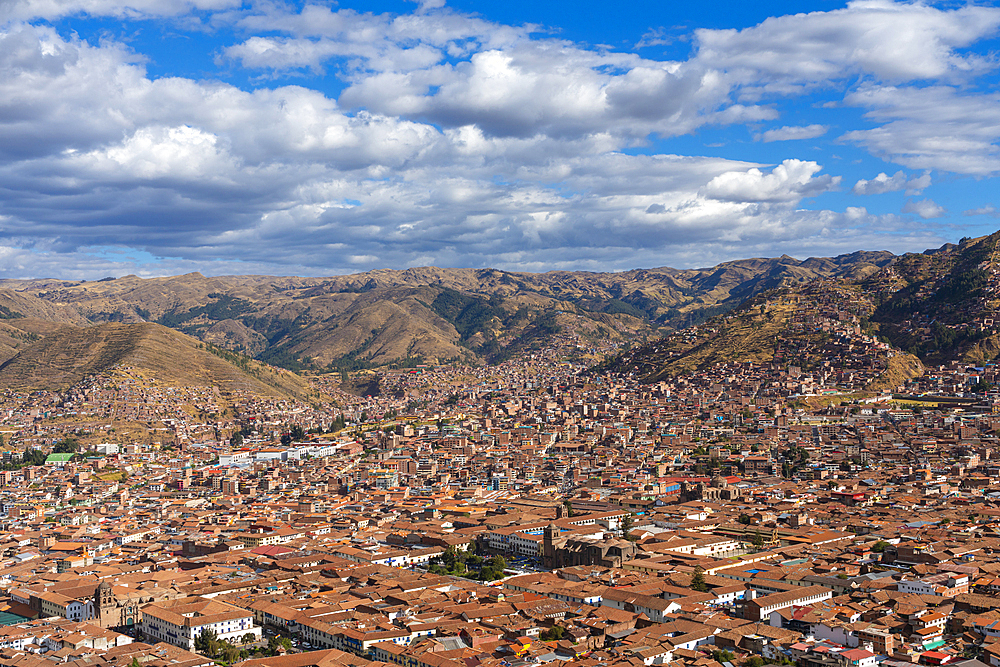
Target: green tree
(274, 644)
(758, 539)
(207, 642)
(627, 523)
(981, 387)
(723, 656)
(236, 439)
(698, 580)
(33, 457)
(754, 661)
(555, 633)
(229, 653)
(66, 446)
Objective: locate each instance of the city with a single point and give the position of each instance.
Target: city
(511, 514)
(463, 333)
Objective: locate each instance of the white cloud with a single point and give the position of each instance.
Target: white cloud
(790, 181)
(371, 42)
(892, 41)
(464, 142)
(898, 181)
(657, 37)
(989, 210)
(934, 127)
(925, 208)
(457, 70)
(152, 153)
(26, 10)
(425, 5)
(792, 133)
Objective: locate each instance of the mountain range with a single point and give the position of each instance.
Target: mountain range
(430, 314)
(934, 305)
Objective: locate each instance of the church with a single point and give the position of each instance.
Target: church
(604, 551)
(123, 609)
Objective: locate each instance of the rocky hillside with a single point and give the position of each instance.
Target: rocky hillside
(821, 328)
(942, 304)
(422, 314)
(936, 306)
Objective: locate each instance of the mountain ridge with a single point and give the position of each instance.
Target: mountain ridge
(934, 307)
(426, 314)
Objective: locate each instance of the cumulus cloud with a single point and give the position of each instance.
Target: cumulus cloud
(463, 142)
(790, 181)
(792, 133)
(898, 181)
(892, 41)
(925, 208)
(457, 70)
(369, 42)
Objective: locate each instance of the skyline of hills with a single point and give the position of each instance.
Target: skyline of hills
(905, 308)
(428, 314)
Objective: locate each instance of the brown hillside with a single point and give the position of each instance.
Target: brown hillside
(66, 356)
(426, 313)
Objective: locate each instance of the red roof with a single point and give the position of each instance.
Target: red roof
(271, 550)
(857, 654)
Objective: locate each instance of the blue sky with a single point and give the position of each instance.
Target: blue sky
(164, 136)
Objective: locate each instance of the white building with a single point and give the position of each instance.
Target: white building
(137, 536)
(234, 458)
(179, 622)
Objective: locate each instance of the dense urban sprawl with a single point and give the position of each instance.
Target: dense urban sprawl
(504, 516)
